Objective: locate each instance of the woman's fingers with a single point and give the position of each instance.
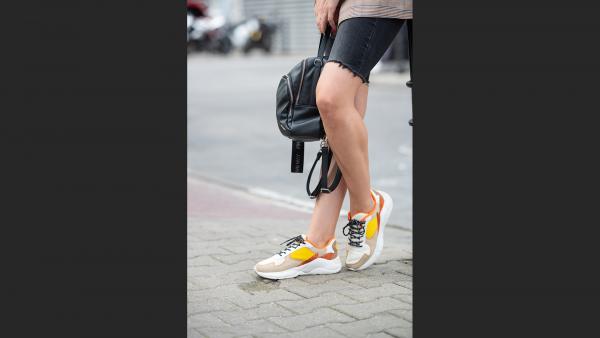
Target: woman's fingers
(321, 23)
(331, 20)
(324, 22)
(327, 15)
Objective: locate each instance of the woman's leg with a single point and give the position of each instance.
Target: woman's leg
(359, 44)
(327, 207)
(346, 131)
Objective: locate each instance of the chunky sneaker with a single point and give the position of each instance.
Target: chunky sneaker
(365, 232)
(300, 257)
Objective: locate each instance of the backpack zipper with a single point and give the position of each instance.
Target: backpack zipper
(301, 81)
(291, 94)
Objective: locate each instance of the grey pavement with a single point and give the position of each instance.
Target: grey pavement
(232, 134)
(230, 229)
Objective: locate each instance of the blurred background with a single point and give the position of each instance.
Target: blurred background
(237, 52)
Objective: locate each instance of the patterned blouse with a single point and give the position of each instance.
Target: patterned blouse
(397, 9)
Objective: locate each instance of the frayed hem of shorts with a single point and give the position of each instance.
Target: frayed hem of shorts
(355, 73)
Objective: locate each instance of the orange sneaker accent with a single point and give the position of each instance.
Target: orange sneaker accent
(329, 256)
(315, 256)
(381, 199)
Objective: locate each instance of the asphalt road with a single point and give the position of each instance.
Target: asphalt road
(233, 136)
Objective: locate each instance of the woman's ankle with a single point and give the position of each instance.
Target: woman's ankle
(319, 241)
(365, 207)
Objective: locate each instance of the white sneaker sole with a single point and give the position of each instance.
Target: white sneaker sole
(388, 205)
(319, 266)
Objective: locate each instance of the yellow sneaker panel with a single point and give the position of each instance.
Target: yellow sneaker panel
(302, 254)
(372, 227)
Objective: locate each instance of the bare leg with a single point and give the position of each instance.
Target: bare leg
(327, 207)
(346, 131)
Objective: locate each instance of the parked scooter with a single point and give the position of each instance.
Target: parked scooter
(209, 34)
(253, 33)
(196, 10)
(214, 34)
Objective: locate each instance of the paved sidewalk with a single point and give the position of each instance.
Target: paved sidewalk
(229, 230)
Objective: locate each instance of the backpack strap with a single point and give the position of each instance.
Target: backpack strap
(325, 155)
(325, 43)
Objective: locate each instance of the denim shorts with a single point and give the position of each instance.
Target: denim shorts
(361, 42)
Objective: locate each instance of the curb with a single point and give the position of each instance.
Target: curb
(269, 196)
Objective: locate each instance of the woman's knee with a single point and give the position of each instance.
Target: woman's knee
(325, 101)
(336, 91)
(329, 102)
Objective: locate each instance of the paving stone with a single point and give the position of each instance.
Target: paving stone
(210, 305)
(406, 314)
(200, 249)
(293, 282)
(253, 255)
(316, 332)
(390, 267)
(219, 334)
(251, 301)
(247, 265)
(204, 320)
(369, 294)
(258, 328)
(221, 292)
(404, 298)
(366, 310)
(361, 328)
(407, 284)
(311, 304)
(239, 277)
(205, 282)
(375, 281)
(244, 295)
(203, 261)
(318, 317)
(334, 285)
(262, 311)
(406, 267)
(320, 279)
(193, 333)
(227, 278)
(400, 332)
(379, 335)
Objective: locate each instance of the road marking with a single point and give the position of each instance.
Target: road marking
(272, 197)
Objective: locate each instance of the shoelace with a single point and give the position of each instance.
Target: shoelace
(354, 230)
(291, 244)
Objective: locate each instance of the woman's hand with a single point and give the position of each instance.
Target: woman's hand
(327, 12)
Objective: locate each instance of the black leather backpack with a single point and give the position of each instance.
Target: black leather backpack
(298, 117)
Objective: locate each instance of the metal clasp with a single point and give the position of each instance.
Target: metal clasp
(324, 142)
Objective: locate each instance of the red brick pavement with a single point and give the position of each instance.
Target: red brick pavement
(207, 199)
